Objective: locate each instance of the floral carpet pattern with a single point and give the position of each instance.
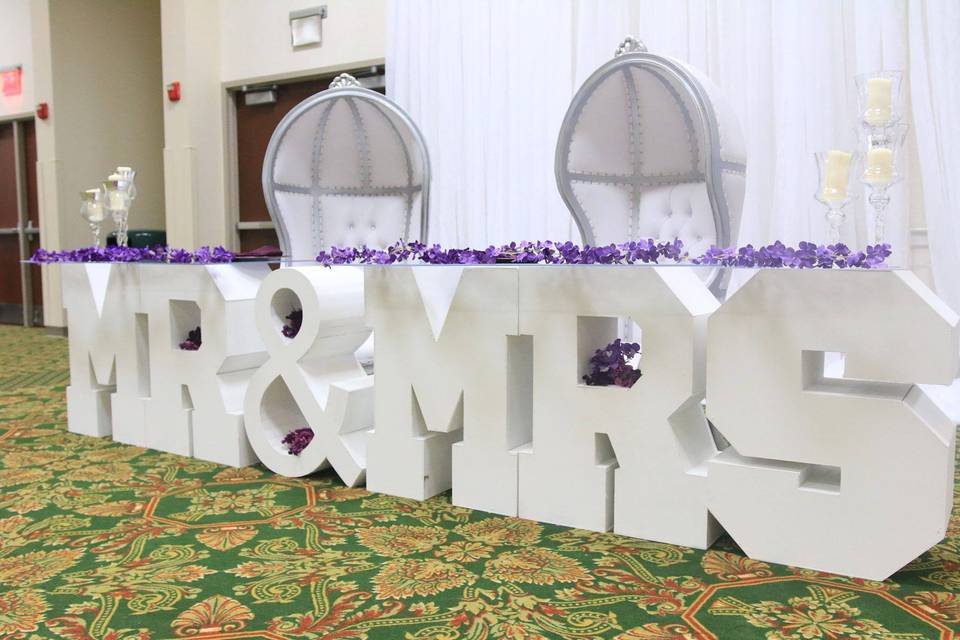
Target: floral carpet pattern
(110, 542)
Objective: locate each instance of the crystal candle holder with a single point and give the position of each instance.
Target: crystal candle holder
(881, 171)
(879, 101)
(93, 210)
(120, 192)
(835, 170)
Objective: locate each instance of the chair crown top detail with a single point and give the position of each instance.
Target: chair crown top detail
(630, 45)
(344, 80)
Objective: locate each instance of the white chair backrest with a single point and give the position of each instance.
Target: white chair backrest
(648, 149)
(346, 167)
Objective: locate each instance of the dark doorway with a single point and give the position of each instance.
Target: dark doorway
(255, 125)
(19, 224)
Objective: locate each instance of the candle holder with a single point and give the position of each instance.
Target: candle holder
(127, 177)
(92, 210)
(120, 191)
(881, 171)
(879, 103)
(834, 170)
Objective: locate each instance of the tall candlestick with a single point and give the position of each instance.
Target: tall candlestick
(837, 176)
(879, 101)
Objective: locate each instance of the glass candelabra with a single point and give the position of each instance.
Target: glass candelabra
(93, 210)
(882, 133)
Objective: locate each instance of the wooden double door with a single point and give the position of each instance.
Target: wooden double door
(20, 294)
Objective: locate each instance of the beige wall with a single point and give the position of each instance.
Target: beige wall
(210, 46)
(98, 67)
(15, 48)
(255, 41)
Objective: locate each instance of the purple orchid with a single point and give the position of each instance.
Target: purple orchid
(193, 341)
(611, 365)
(292, 326)
(297, 440)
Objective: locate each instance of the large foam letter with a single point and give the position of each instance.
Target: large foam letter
(312, 379)
(450, 369)
(109, 366)
(634, 459)
(850, 475)
(196, 408)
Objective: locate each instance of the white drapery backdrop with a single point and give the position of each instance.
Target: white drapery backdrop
(489, 81)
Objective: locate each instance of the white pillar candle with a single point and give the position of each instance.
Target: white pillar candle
(116, 199)
(837, 176)
(879, 166)
(95, 212)
(879, 101)
(92, 206)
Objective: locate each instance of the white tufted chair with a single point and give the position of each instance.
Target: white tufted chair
(346, 167)
(648, 149)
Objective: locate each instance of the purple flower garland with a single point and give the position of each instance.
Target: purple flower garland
(203, 255)
(806, 256)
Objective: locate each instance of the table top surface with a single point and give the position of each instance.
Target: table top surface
(288, 262)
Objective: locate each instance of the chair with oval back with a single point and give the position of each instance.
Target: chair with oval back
(649, 149)
(346, 167)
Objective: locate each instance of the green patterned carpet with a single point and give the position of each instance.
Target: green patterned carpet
(105, 541)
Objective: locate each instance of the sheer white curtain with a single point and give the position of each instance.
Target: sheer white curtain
(488, 84)
(935, 99)
(489, 81)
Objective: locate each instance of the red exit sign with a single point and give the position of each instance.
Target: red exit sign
(12, 80)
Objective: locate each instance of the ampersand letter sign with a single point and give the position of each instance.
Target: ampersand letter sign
(633, 459)
(850, 474)
(312, 379)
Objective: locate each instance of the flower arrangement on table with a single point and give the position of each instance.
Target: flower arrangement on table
(777, 255)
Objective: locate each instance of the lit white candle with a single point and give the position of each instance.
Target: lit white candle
(879, 101)
(837, 176)
(879, 167)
